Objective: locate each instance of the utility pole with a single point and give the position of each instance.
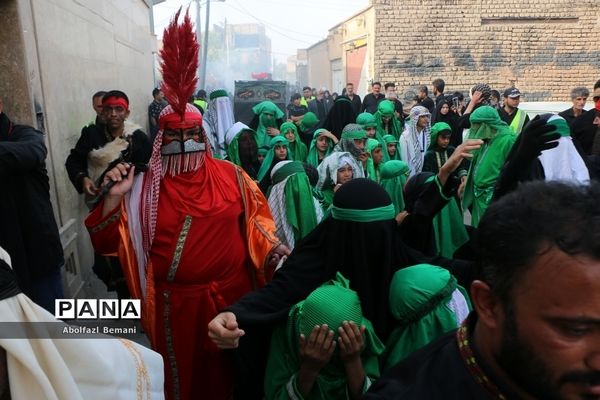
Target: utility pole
(198, 37)
(205, 49)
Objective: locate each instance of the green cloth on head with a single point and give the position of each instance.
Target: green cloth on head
(394, 174)
(487, 161)
(390, 139)
(308, 121)
(233, 148)
(561, 125)
(374, 214)
(300, 213)
(313, 153)
(263, 150)
(372, 169)
(264, 122)
(266, 165)
(331, 304)
(386, 109)
(366, 120)
(354, 131)
(436, 129)
(218, 93)
(420, 298)
(486, 123)
(298, 150)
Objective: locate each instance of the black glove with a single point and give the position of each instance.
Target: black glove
(536, 137)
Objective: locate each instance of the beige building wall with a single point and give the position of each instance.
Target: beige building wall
(319, 70)
(543, 47)
(56, 54)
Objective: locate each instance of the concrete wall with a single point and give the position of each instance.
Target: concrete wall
(544, 47)
(61, 52)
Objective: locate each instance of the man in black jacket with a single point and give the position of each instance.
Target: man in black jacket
(28, 230)
(371, 101)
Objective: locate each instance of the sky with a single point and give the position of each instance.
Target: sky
(290, 24)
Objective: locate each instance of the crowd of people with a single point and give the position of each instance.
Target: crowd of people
(340, 248)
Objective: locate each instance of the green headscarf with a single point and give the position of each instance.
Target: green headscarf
(561, 125)
(233, 153)
(389, 139)
(308, 121)
(366, 120)
(313, 152)
(372, 169)
(297, 148)
(436, 129)
(394, 174)
(262, 108)
(386, 108)
(266, 165)
(298, 199)
(486, 124)
(420, 298)
(331, 304)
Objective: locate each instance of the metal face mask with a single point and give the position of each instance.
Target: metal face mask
(182, 141)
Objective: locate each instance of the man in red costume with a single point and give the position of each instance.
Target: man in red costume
(193, 233)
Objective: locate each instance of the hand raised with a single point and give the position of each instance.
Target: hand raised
(351, 341)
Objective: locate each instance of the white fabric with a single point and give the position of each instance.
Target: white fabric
(284, 232)
(76, 369)
(133, 203)
(330, 165)
(459, 306)
(219, 118)
(414, 144)
(563, 163)
(233, 131)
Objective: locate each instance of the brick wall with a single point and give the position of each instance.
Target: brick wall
(544, 47)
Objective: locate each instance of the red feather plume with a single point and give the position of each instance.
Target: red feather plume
(179, 62)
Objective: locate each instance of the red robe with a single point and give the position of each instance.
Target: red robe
(213, 234)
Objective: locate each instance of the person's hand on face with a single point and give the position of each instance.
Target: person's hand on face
(477, 97)
(351, 341)
(272, 132)
(316, 351)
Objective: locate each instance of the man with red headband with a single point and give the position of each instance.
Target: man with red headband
(98, 147)
(193, 233)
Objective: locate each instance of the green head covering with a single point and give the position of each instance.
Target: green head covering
(218, 93)
(268, 107)
(233, 147)
(561, 125)
(308, 121)
(297, 148)
(486, 124)
(263, 150)
(394, 174)
(366, 120)
(389, 139)
(297, 198)
(427, 302)
(313, 153)
(386, 108)
(266, 165)
(436, 129)
(372, 169)
(264, 121)
(353, 131)
(331, 303)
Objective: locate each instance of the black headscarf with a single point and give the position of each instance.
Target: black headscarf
(5, 126)
(340, 115)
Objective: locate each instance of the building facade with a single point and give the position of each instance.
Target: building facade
(545, 48)
(55, 55)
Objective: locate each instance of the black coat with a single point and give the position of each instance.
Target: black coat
(92, 137)
(28, 230)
